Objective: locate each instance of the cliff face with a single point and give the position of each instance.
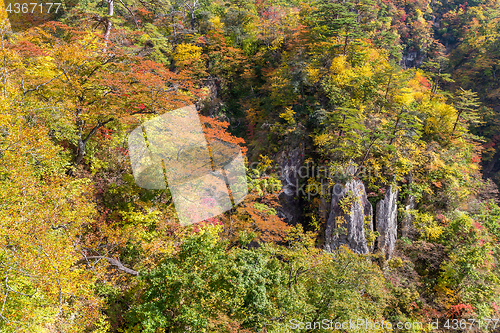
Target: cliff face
(350, 214)
(386, 222)
(406, 223)
(289, 163)
(350, 220)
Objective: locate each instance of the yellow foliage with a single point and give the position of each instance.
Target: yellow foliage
(419, 83)
(427, 225)
(340, 220)
(313, 186)
(265, 162)
(215, 23)
(276, 44)
(404, 97)
(433, 233)
(321, 140)
(187, 52)
(440, 117)
(341, 72)
(313, 74)
(288, 116)
(396, 262)
(3, 15)
(365, 71)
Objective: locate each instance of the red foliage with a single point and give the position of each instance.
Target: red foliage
(460, 311)
(106, 133)
(28, 49)
(216, 130)
(423, 81)
(267, 226)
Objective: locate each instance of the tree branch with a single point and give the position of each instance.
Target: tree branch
(96, 127)
(40, 85)
(114, 262)
(133, 16)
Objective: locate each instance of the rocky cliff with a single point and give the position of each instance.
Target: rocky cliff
(350, 215)
(289, 163)
(386, 222)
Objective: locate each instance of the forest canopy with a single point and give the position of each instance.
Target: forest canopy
(368, 135)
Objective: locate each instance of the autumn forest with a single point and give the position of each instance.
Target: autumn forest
(367, 133)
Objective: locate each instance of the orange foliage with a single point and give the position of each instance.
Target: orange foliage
(266, 225)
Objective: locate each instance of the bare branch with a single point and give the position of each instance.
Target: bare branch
(41, 84)
(96, 127)
(133, 16)
(114, 262)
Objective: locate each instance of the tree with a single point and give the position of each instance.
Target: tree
(92, 86)
(43, 214)
(466, 105)
(229, 287)
(342, 20)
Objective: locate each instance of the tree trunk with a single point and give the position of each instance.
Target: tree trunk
(82, 142)
(345, 43)
(396, 126)
(80, 151)
(192, 19)
(456, 122)
(109, 23)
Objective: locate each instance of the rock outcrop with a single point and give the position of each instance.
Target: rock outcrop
(350, 214)
(407, 229)
(386, 222)
(289, 163)
(412, 59)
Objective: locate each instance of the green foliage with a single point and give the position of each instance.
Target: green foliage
(427, 225)
(471, 269)
(256, 287)
(170, 302)
(312, 83)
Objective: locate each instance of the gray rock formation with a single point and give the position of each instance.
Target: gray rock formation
(407, 229)
(289, 163)
(386, 222)
(349, 211)
(412, 59)
(324, 209)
